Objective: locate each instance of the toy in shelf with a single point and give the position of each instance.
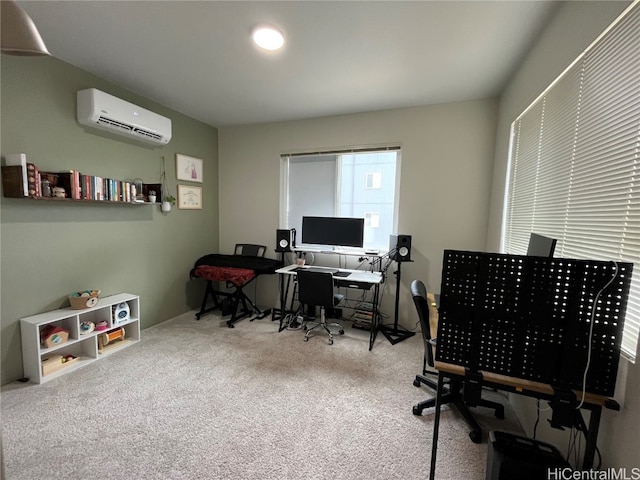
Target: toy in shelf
(56, 362)
(84, 299)
(87, 327)
(109, 337)
(53, 335)
(120, 312)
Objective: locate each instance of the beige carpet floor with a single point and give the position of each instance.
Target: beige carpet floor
(198, 400)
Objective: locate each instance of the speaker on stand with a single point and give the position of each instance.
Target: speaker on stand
(285, 241)
(400, 252)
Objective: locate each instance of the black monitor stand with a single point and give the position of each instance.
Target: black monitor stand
(394, 333)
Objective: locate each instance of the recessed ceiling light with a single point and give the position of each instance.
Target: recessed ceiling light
(268, 37)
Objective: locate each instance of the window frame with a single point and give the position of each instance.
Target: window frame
(285, 178)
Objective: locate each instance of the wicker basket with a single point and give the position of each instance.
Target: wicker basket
(85, 299)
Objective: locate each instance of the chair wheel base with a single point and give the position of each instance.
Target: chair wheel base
(416, 382)
(417, 410)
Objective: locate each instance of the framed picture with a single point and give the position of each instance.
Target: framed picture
(189, 198)
(188, 169)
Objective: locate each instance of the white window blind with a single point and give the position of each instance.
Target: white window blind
(574, 166)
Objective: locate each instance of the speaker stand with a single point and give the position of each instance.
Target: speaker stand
(396, 334)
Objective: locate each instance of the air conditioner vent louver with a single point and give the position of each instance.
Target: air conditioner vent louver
(128, 128)
(106, 112)
(115, 124)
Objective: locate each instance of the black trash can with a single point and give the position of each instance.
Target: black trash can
(513, 457)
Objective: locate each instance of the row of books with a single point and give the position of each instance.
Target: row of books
(25, 179)
(79, 186)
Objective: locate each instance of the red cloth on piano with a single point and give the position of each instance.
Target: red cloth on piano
(237, 276)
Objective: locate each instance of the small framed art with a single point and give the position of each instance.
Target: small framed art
(188, 169)
(189, 198)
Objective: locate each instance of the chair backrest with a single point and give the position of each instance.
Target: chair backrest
(541, 246)
(249, 249)
(315, 288)
(419, 294)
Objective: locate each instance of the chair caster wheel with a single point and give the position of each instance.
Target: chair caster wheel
(416, 382)
(331, 341)
(306, 339)
(475, 436)
(341, 332)
(416, 410)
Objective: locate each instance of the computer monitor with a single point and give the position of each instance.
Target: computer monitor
(335, 231)
(541, 246)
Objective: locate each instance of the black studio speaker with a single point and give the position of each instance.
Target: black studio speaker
(283, 240)
(400, 248)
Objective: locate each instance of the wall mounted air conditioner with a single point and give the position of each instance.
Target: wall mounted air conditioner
(106, 112)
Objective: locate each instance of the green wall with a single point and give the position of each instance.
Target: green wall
(50, 249)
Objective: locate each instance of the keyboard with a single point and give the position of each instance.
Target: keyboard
(333, 271)
(341, 274)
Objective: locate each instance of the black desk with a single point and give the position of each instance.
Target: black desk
(347, 278)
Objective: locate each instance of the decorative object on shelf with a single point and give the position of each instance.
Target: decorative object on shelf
(102, 326)
(188, 168)
(120, 312)
(84, 299)
(189, 198)
(56, 362)
(137, 190)
(45, 188)
(58, 192)
(111, 336)
(52, 335)
(152, 196)
(87, 327)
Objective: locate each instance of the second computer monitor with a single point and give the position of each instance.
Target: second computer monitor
(541, 246)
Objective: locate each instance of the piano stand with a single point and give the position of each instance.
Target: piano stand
(237, 271)
(237, 297)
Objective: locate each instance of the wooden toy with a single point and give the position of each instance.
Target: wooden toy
(52, 335)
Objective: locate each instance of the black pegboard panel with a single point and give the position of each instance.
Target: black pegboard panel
(531, 317)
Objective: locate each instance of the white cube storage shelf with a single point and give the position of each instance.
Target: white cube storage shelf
(83, 346)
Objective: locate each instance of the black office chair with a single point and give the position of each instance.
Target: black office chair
(250, 250)
(316, 289)
(453, 389)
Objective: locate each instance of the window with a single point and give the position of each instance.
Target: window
(355, 183)
(574, 166)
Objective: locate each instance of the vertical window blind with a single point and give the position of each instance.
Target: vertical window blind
(574, 162)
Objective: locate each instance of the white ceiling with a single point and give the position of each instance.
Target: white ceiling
(340, 56)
